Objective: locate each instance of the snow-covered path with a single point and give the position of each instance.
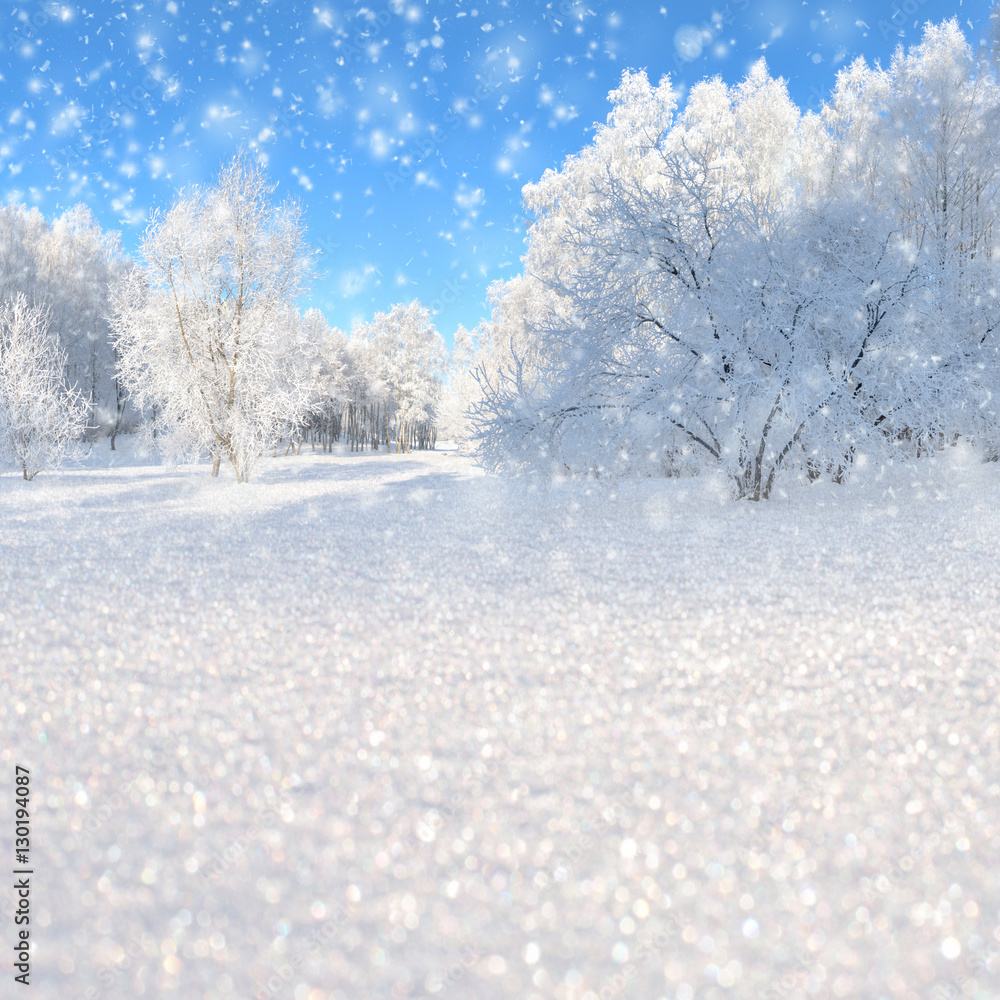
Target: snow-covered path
(383, 727)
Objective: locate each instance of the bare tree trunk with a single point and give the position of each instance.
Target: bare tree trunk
(92, 429)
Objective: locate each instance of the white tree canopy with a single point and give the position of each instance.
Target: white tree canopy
(201, 329)
(39, 416)
(67, 267)
(745, 287)
(400, 357)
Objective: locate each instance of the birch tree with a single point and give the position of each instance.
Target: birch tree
(459, 390)
(402, 356)
(198, 327)
(39, 416)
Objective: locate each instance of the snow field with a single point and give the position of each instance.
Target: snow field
(384, 727)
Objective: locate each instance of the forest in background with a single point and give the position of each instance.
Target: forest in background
(732, 285)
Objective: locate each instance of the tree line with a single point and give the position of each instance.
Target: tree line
(198, 343)
(732, 285)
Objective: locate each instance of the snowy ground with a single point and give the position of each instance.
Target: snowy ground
(383, 727)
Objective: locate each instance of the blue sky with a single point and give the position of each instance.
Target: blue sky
(406, 129)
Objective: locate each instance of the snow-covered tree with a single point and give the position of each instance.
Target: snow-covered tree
(748, 288)
(39, 416)
(68, 266)
(365, 424)
(199, 327)
(459, 391)
(914, 152)
(76, 266)
(330, 377)
(991, 42)
(402, 356)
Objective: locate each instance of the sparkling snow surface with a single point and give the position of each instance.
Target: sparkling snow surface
(383, 727)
